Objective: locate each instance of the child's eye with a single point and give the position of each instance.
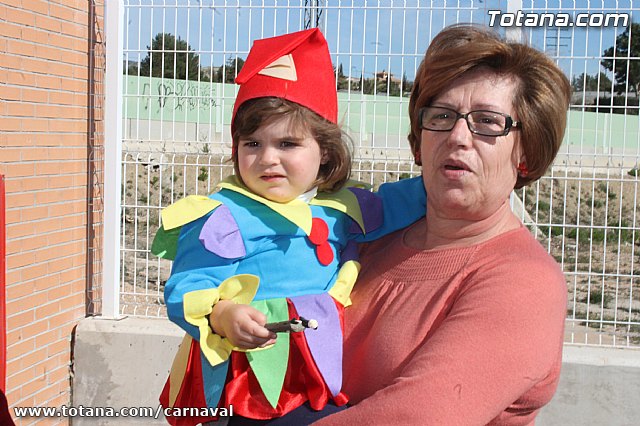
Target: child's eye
(250, 144)
(288, 144)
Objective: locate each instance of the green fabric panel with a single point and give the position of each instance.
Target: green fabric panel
(270, 365)
(165, 243)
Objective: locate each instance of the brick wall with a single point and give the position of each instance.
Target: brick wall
(51, 73)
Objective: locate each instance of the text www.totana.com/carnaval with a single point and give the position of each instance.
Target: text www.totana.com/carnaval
(524, 19)
(149, 412)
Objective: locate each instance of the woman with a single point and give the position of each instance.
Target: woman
(458, 319)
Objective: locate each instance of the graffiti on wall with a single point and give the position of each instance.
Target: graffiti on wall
(151, 98)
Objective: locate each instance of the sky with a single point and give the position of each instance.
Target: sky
(364, 36)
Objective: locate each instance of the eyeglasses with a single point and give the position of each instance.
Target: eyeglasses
(481, 122)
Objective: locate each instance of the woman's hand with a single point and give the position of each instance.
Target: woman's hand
(243, 325)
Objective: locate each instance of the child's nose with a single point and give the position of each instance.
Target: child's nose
(269, 155)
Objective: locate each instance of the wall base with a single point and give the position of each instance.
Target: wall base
(124, 363)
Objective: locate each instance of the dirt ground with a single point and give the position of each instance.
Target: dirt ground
(588, 221)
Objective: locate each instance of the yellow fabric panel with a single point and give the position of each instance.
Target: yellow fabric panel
(295, 211)
(298, 212)
(198, 304)
(344, 201)
(187, 210)
(347, 276)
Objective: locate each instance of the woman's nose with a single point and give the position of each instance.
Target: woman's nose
(460, 134)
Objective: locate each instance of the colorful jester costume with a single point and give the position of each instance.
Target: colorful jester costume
(285, 259)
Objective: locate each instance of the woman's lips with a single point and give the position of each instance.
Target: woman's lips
(455, 168)
(456, 165)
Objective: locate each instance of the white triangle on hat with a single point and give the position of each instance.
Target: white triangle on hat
(283, 68)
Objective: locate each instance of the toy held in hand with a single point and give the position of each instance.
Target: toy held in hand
(294, 325)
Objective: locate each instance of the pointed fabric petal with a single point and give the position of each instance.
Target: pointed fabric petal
(270, 364)
(179, 368)
(371, 208)
(343, 201)
(187, 210)
(165, 243)
(325, 343)
(220, 234)
(214, 378)
(295, 211)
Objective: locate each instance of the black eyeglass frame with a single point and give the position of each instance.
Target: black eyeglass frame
(508, 124)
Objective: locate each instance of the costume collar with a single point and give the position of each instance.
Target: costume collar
(308, 196)
(297, 211)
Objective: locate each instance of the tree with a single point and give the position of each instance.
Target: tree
(342, 80)
(229, 72)
(169, 57)
(589, 83)
(622, 60)
(407, 85)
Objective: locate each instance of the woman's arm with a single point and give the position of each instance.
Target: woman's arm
(398, 205)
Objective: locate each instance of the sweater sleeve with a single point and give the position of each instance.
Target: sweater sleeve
(500, 338)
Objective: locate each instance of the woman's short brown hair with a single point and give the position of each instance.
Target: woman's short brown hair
(332, 140)
(540, 101)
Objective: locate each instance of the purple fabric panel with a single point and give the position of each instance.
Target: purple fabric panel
(371, 207)
(350, 252)
(220, 234)
(325, 343)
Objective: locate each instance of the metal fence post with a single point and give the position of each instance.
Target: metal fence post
(114, 29)
(514, 33)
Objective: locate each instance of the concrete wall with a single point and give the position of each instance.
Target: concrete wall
(122, 363)
(125, 364)
(598, 386)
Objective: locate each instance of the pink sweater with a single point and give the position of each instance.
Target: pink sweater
(465, 336)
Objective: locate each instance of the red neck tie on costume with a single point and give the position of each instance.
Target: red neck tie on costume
(319, 236)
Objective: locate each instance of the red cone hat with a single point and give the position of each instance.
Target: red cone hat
(296, 67)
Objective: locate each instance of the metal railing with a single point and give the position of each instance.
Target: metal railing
(180, 58)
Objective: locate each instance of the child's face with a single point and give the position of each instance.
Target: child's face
(277, 162)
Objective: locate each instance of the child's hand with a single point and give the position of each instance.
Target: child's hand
(243, 325)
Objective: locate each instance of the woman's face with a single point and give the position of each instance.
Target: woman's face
(468, 176)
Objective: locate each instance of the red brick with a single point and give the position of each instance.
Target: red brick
(19, 16)
(38, 6)
(10, 93)
(10, 155)
(35, 95)
(21, 318)
(17, 170)
(19, 260)
(23, 347)
(20, 290)
(48, 23)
